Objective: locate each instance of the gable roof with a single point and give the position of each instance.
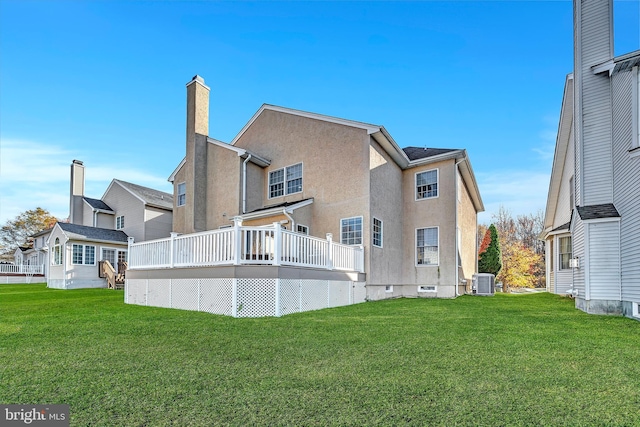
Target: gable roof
(607, 210)
(83, 232)
(417, 153)
(97, 204)
(560, 153)
(146, 195)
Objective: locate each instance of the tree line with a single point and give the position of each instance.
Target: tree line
(510, 249)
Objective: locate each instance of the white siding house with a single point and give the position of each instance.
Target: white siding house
(601, 150)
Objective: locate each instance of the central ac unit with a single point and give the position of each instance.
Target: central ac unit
(484, 284)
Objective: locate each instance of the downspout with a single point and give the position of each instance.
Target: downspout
(244, 183)
(293, 223)
(455, 181)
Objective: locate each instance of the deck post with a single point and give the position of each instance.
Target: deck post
(277, 243)
(237, 239)
(330, 254)
(172, 248)
(130, 241)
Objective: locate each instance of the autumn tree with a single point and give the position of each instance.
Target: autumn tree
(490, 254)
(18, 231)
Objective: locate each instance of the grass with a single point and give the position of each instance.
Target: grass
(507, 360)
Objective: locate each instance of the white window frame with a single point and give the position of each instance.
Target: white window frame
(415, 184)
(120, 222)
(56, 259)
(560, 253)
(83, 254)
(302, 229)
(416, 247)
(635, 307)
(427, 288)
(388, 289)
(342, 240)
(284, 182)
(380, 232)
(181, 198)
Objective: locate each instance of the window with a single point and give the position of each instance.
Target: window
(427, 288)
(182, 194)
(565, 253)
(377, 232)
(303, 229)
(427, 246)
(109, 255)
(83, 254)
(119, 222)
(289, 179)
(427, 184)
(57, 252)
(351, 231)
(388, 288)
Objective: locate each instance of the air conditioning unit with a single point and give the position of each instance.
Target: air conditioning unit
(484, 284)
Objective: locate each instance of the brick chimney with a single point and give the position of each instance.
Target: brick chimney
(76, 192)
(196, 157)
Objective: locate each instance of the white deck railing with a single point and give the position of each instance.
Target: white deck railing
(240, 245)
(21, 269)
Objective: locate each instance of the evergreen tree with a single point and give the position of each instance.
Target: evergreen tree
(490, 259)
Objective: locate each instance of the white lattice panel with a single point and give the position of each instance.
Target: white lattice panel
(339, 293)
(314, 294)
(135, 291)
(159, 295)
(359, 292)
(184, 294)
(289, 296)
(216, 296)
(256, 297)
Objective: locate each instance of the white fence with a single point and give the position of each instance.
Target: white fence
(244, 297)
(240, 245)
(21, 269)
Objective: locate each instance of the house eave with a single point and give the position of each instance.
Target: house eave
(275, 211)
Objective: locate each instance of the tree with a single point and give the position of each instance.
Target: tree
(17, 232)
(490, 259)
(518, 269)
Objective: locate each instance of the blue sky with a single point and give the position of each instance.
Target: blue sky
(104, 82)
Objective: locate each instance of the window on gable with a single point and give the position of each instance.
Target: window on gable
(182, 194)
(377, 232)
(119, 222)
(351, 231)
(427, 184)
(565, 253)
(285, 181)
(427, 246)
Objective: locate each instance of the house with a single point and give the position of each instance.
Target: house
(99, 230)
(407, 218)
(592, 219)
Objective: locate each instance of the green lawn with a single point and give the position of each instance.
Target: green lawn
(507, 360)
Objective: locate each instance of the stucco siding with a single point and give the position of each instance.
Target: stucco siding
(223, 192)
(386, 206)
(334, 160)
(604, 260)
(432, 212)
(626, 188)
(468, 229)
(180, 218)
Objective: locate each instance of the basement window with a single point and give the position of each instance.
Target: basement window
(388, 288)
(427, 288)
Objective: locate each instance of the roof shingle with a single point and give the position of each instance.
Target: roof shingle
(84, 232)
(606, 210)
(416, 153)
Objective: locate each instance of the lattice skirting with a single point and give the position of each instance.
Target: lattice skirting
(4, 280)
(244, 297)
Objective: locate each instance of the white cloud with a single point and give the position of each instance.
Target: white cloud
(519, 191)
(34, 174)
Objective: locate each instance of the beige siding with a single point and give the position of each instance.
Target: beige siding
(468, 226)
(87, 215)
(386, 205)
(435, 212)
(157, 223)
(126, 204)
(335, 166)
(180, 217)
(224, 200)
(105, 221)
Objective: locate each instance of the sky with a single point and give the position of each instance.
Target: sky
(104, 82)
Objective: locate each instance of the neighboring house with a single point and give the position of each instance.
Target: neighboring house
(99, 228)
(592, 221)
(413, 210)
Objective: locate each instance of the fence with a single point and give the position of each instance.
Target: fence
(21, 269)
(270, 245)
